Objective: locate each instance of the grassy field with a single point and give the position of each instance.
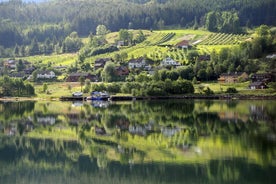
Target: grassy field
(58, 89)
(55, 59)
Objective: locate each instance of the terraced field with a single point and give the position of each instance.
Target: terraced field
(160, 38)
(224, 39)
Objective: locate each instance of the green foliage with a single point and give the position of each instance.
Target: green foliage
(226, 22)
(101, 30)
(208, 91)
(72, 43)
(231, 90)
(15, 87)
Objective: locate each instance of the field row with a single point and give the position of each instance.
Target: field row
(223, 39)
(162, 38)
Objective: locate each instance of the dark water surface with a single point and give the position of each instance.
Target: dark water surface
(179, 141)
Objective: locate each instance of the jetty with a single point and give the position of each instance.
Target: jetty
(72, 98)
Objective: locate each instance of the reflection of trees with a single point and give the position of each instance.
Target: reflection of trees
(10, 110)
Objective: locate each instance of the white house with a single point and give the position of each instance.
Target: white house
(169, 62)
(137, 63)
(46, 75)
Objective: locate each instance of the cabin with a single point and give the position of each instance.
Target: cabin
(74, 77)
(232, 77)
(257, 85)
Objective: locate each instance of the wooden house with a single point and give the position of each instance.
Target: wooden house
(121, 71)
(262, 77)
(257, 85)
(74, 77)
(100, 63)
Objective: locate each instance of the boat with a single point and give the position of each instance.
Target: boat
(77, 94)
(98, 95)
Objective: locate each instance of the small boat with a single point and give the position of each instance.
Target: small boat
(98, 95)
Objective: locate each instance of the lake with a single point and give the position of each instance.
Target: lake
(173, 141)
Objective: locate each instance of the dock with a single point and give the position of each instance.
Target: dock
(72, 98)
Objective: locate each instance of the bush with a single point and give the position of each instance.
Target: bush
(208, 91)
(113, 88)
(231, 90)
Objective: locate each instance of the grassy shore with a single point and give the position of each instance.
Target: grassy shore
(57, 89)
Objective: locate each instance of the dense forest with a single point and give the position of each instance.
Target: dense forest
(50, 22)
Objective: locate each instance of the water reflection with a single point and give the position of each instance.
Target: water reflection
(138, 142)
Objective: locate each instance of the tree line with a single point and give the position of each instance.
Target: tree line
(15, 87)
(51, 22)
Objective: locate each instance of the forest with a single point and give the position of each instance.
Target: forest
(50, 22)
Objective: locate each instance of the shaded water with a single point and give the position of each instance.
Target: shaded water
(138, 142)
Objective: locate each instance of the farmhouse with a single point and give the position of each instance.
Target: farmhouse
(74, 77)
(169, 62)
(46, 75)
(100, 63)
(232, 77)
(137, 63)
(184, 44)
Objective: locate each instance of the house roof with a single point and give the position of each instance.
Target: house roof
(257, 84)
(233, 74)
(45, 72)
(183, 43)
(138, 60)
(102, 60)
(78, 74)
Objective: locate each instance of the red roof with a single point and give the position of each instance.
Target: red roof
(183, 43)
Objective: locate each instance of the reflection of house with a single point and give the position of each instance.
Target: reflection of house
(121, 70)
(169, 62)
(11, 129)
(100, 130)
(137, 63)
(204, 58)
(46, 120)
(122, 124)
(46, 75)
(169, 131)
(74, 77)
(137, 129)
(258, 112)
(257, 85)
(232, 77)
(100, 63)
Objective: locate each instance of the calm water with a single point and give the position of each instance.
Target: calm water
(138, 142)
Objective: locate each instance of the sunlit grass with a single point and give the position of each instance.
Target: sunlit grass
(55, 59)
(57, 89)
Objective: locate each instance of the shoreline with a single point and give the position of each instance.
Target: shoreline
(134, 98)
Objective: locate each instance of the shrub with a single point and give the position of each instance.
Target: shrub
(208, 91)
(231, 90)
